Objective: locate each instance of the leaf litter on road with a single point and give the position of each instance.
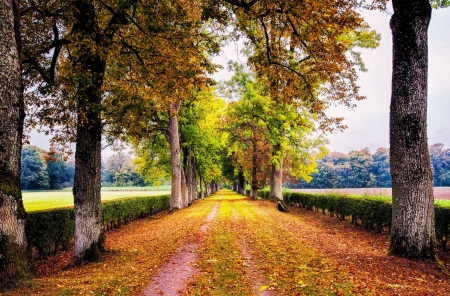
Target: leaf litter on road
(247, 248)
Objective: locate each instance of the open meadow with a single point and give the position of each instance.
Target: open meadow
(439, 192)
(43, 200)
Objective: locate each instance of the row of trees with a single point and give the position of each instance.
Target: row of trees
(266, 137)
(137, 71)
(132, 69)
(361, 169)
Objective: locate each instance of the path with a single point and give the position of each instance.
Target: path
(173, 277)
(230, 245)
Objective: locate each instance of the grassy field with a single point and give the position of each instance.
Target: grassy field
(43, 200)
(439, 192)
(134, 188)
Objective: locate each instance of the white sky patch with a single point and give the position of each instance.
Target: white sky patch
(368, 123)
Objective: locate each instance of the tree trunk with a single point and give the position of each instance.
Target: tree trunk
(184, 190)
(413, 232)
(175, 158)
(14, 259)
(202, 195)
(194, 191)
(213, 186)
(208, 189)
(242, 184)
(254, 184)
(276, 182)
(254, 191)
(188, 164)
(276, 187)
(89, 240)
(89, 237)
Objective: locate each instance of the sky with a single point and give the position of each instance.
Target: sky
(368, 123)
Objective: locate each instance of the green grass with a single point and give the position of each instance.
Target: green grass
(132, 188)
(44, 200)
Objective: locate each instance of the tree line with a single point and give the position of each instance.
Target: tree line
(362, 169)
(138, 71)
(48, 170)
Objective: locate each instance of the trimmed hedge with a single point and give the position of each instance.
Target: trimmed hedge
(47, 231)
(122, 211)
(50, 230)
(373, 212)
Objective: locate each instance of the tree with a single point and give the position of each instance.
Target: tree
(247, 130)
(79, 36)
(202, 140)
(440, 160)
(380, 168)
(60, 172)
(282, 128)
(90, 43)
(14, 259)
(413, 232)
(153, 159)
(301, 47)
(119, 170)
(33, 171)
(164, 65)
(360, 163)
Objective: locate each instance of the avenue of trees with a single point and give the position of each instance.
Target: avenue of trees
(138, 71)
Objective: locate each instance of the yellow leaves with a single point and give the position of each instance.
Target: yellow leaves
(263, 288)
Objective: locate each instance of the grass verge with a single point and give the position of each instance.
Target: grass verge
(44, 200)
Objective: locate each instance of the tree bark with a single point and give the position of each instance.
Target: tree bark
(188, 165)
(194, 191)
(175, 158)
(213, 186)
(202, 195)
(413, 231)
(207, 189)
(14, 258)
(89, 240)
(276, 187)
(276, 182)
(254, 184)
(184, 190)
(242, 184)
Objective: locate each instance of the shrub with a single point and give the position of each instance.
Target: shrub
(50, 230)
(374, 212)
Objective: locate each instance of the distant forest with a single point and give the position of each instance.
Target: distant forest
(362, 169)
(44, 170)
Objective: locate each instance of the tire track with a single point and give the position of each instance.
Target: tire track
(174, 277)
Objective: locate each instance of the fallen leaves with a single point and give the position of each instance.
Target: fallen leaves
(248, 248)
(134, 253)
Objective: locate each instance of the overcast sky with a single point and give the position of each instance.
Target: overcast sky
(368, 123)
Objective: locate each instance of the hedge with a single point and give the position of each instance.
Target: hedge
(373, 212)
(50, 230)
